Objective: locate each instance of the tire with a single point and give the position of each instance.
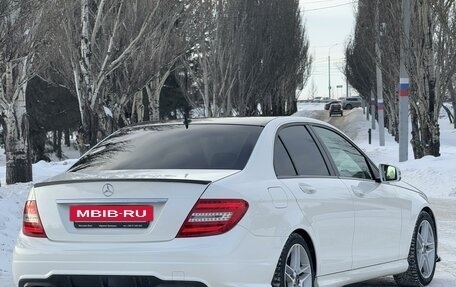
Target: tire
(287, 271)
(348, 107)
(422, 257)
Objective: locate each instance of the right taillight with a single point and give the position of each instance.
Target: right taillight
(31, 223)
(213, 217)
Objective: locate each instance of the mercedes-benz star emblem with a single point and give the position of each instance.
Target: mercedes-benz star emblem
(108, 190)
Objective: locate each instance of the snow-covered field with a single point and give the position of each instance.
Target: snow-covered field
(435, 176)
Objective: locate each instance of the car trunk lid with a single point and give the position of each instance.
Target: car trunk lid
(168, 194)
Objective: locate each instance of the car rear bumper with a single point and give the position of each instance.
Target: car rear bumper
(236, 258)
(102, 281)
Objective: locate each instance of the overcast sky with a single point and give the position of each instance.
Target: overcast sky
(329, 23)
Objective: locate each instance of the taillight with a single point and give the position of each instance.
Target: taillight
(213, 217)
(31, 223)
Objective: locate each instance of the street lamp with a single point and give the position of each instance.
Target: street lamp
(329, 69)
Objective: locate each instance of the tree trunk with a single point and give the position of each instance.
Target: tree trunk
(425, 100)
(16, 124)
(137, 107)
(87, 134)
(67, 138)
(207, 111)
(54, 141)
(38, 146)
(153, 90)
(17, 144)
(425, 135)
(453, 101)
(59, 145)
(154, 100)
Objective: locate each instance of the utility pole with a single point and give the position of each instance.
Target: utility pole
(329, 76)
(404, 84)
(373, 109)
(346, 85)
(329, 69)
(381, 118)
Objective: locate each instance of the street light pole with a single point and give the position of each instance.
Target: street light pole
(329, 69)
(329, 76)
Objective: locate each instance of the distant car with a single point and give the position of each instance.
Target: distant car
(286, 201)
(336, 109)
(330, 103)
(352, 102)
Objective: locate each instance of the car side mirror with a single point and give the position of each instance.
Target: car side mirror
(389, 173)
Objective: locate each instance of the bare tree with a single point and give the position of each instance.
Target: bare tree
(95, 40)
(249, 54)
(390, 21)
(445, 39)
(429, 75)
(430, 62)
(359, 54)
(19, 42)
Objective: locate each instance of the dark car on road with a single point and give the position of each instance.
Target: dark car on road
(336, 108)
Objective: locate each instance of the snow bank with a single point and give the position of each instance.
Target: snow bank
(12, 198)
(433, 175)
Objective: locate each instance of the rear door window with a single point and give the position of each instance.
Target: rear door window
(282, 162)
(305, 155)
(201, 146)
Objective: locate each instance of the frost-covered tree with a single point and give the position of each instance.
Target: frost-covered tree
(20, 38)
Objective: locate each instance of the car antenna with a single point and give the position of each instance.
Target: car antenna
(187, 121)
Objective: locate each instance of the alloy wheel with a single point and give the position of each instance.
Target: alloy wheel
(298, 270)
(425, 249)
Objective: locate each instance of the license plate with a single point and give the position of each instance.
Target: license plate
(111, 216)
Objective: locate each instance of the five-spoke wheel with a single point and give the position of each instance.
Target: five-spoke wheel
(422, 255)
(294, 268)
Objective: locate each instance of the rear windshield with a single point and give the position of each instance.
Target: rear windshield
(173, 147)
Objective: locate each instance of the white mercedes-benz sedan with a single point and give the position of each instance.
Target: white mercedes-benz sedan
(236, 202)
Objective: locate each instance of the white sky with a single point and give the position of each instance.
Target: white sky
(327, 27)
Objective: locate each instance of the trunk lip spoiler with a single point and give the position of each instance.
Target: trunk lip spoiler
(111, 200)
(70, 181)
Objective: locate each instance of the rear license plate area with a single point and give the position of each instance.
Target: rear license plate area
(111, 216)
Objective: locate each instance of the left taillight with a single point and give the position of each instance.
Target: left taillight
(213, 217)
(31, 225)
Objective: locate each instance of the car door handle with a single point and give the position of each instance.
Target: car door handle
(358, 191)
(307, 188)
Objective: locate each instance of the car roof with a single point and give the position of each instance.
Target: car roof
(253, 121)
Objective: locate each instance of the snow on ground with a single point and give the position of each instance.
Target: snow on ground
(432, 175)
(12, 200)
